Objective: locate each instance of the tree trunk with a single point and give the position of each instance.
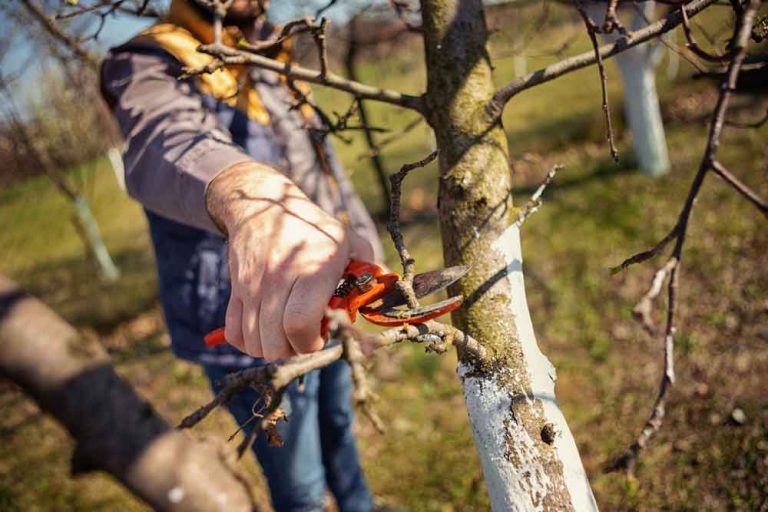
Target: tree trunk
(114, 429)
(93, 241)
(641, 101)
(530, 460)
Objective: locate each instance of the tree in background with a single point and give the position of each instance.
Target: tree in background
(57, 130)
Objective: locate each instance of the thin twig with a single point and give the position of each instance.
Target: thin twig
(740, 187)
(643, 310)
(592, 30)
(288, 30)
(319, 36)
(534, 203)
(59, 34)
(362, 396)
(612, 22)
(496, 105)
(393, 138)
(409, 264)
(709, 162)
(695, 48)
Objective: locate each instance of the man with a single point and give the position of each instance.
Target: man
(226, 155)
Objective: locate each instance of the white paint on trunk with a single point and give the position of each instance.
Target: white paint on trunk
(520, 485)
(107, 267)
(641, 101)
(116, 161)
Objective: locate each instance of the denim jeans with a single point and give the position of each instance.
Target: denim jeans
(319, 448)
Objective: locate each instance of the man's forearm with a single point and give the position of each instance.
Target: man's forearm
(244, 190)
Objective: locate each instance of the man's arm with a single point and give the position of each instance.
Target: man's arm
(174, 146)
(286, 254)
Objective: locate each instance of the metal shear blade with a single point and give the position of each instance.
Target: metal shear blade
(395, 316)
(425, 284)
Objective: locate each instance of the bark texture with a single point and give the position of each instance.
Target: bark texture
(114, 429)
(529, 458)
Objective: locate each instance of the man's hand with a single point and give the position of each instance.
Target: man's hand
(286, 256)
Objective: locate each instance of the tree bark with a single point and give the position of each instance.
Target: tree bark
(530, 460)
(114, 429)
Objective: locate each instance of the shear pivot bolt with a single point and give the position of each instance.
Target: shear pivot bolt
(365, 282)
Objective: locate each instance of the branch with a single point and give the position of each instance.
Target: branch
(277, 375)
(58, 33)
(230, 56)
(592, 31)
(741, 188)
(534, 203)
(708, 162)
(409, 264)
(543, 75)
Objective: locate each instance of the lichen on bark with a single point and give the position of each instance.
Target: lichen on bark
(474, 204)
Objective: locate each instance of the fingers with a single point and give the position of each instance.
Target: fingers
(233, 327)
(250, 325)
(305, 309)
(273, 341)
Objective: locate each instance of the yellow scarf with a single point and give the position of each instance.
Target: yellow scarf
(181, 32)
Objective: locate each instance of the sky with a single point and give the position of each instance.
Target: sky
(121, 27)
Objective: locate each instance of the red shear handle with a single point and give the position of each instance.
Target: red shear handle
(351, 302)
(215, 337)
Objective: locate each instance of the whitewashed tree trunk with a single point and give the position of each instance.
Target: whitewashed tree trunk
(115, 158)
(641, 101)
(530, 460)
(93, 239)
(522, 485)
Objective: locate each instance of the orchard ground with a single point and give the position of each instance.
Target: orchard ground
(712, 452)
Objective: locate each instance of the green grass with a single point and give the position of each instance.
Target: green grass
(595, 214)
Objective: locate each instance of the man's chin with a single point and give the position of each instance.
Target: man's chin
(244, 13)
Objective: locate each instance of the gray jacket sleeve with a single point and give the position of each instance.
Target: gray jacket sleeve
(174, 146)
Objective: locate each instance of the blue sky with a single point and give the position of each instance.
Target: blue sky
(121, 27)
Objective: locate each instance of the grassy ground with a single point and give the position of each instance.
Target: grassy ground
(595, 214)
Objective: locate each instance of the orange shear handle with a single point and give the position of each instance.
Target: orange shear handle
(380, 284)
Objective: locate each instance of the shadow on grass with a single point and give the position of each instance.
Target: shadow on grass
(605, 170)
(141, 349)
(72, 288)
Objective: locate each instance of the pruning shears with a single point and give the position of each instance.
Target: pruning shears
(366, 288)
